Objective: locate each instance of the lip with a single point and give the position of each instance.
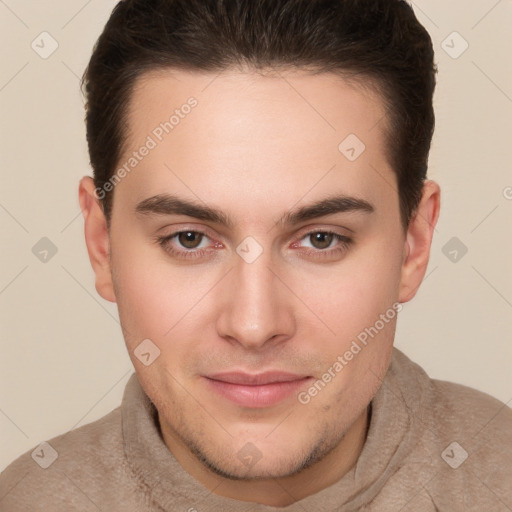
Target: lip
(256, 390)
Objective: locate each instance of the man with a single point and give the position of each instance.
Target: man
(259, 212)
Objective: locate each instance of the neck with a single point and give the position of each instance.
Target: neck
(276, 492)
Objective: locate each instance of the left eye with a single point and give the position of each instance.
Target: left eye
(322, 239)
(189, 239)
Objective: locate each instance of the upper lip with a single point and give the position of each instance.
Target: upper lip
(259, 379)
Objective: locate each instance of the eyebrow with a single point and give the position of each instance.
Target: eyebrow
(328, 206)
(166, 204)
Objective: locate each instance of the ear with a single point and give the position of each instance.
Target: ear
(96, 238)
(418, 240)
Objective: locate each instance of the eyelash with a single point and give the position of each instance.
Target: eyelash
(344, 243)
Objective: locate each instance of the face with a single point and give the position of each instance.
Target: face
(255, 252)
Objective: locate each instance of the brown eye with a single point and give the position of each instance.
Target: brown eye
(321, 240)
(190, 239)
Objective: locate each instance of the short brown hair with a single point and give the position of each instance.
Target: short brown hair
(377, 41)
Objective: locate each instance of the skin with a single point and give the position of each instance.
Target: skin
(256, 147)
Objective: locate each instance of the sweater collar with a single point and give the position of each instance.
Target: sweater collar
(391, 435)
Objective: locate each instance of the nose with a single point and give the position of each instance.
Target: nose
(255, 307)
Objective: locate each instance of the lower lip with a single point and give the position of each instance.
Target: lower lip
(257, 396)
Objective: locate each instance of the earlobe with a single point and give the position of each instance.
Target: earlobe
(96, 238)
(418, 241)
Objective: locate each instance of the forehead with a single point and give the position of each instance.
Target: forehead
(326, 103)
(250, 132)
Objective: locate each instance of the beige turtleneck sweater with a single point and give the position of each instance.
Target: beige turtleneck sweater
(431, 446)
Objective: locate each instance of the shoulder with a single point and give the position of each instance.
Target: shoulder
(447, 406)
(474, 446)
(465, 408)
(464, 438)
(56, 471)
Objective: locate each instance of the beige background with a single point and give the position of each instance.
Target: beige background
(63, 362)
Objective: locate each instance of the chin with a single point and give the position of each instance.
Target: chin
(251, 463)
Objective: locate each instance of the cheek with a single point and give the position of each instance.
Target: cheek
(168, 304)
(141, 297)
(361, 310)
(352, 295)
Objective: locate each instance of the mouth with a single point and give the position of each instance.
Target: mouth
(256, 390)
